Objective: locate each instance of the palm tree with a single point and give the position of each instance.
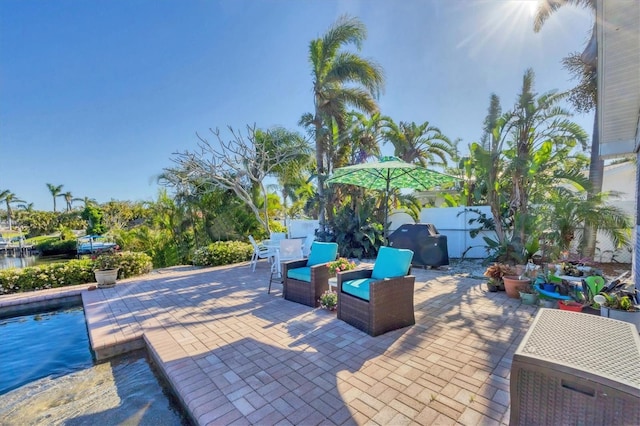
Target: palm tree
(293, 173)
(366, 135)
(9, 198)
(26, 207)
(568, 210)
(340, 79)
(530, 146)
(86, 201)
(55, 192)
(583, 67)
(420, 144)
(68, 198)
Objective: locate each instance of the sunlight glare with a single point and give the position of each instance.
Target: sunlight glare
(533, 5)
(503, 24)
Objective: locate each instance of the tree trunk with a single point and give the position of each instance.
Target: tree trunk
(321, 172)
(596, 172)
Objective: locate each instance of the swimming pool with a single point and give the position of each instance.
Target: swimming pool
(48, 376)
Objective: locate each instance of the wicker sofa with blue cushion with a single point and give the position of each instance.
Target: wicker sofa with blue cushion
(379, 300)
(305, 280)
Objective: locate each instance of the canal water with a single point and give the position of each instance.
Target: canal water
(17, 262)
(48, 376)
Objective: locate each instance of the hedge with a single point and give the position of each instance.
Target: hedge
(223, 253)
(64, 274)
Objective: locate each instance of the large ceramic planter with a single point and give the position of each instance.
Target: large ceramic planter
(513, 285)
(106, 277)
(632, 317)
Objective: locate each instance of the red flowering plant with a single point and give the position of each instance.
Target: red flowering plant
(339, 265)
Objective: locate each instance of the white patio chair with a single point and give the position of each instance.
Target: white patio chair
(306, 248)
(277, 236)
(260, 252)
(289, 250)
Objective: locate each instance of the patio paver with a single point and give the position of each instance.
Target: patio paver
(235, 354)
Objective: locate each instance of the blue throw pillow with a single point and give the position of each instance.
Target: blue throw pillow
(391, 262)
(322, 253)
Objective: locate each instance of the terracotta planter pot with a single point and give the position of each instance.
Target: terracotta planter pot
(513, 285)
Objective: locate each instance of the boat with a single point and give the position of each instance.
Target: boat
(93, 244)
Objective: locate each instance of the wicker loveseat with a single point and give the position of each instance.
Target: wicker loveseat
(305, 280)
(380, 299)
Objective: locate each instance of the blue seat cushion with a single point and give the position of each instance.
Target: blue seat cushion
(358, 288)
(322, 253)
(392, 262)
(300, 274)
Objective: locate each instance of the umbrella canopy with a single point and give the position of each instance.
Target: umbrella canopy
(387, 174)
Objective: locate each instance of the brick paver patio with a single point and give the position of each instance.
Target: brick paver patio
(237, 355)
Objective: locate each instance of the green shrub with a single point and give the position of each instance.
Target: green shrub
(51, 275)
(63, 274)
(54, 246)
(222, 253)
(132, 264)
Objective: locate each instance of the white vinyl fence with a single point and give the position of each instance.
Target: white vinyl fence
(454, 223)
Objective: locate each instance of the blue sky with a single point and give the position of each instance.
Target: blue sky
(97, 95)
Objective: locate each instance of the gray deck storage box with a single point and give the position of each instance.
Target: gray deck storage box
(575, 368)
(428, 246)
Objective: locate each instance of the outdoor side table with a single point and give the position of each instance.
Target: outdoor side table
(575, 368)
(333, 282)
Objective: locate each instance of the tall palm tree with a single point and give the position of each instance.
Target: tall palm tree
(366, 135)
(421, 144)
(584, 97)
(55, 192)
(68, 198)
(532, 131)
(340, 79)
(9, 198)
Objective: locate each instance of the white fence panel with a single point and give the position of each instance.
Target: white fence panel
(454, 223)
(300, 228)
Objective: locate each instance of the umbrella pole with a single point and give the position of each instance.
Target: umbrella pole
(386, 213)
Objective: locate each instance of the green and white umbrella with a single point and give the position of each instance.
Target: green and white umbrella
(387, 174)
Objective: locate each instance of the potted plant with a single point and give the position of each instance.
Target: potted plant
(528, 296)
(621, 306)
(570, 305)
(547, 302)
(339, 265)
(514, 283)
(106, 266)
(495, 273)
(329, 300)
(547, 280)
